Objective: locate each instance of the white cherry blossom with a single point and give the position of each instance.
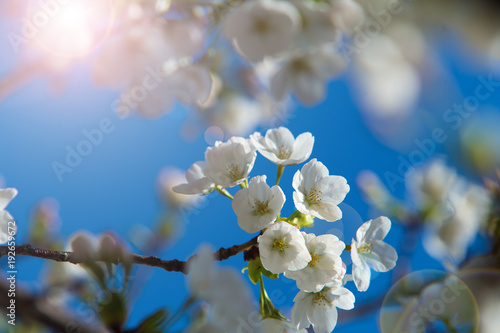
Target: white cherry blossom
(261, 28)
(258, 205)
(168, 178)
(144, 46)
(229, 163)
(318, 23)
(280, 147)
(449, 235)
(347, 14)
(453, 208)
(431, 183)
(388, 87)
(317, 193)
(306, 74)
(369, 251)
(320, 309)
(325, 265)
(6, 196)
(222, 288)
(236, 114)
(283, 248)
(197, 180)
(186, 83)
(84, 246)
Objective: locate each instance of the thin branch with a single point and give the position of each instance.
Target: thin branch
(168, 265)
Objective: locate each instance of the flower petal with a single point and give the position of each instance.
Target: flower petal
(378, 229)
(385, 257)
(361, 275)
(6, 196)
(334, 189)
(303, 147)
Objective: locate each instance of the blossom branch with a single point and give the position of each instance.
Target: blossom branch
(168, 265)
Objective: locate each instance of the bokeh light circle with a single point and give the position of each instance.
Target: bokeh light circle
(213, 134)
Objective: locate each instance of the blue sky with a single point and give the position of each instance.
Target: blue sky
(114, 187)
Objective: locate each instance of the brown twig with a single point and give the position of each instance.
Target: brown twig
(168, 265)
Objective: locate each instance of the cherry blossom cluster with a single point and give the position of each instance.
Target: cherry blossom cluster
(451, 208)
(187, 52)
(314, 262)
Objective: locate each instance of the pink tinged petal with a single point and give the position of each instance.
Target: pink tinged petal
(379, 228)
(386, 257)
(84, 245)
(6, 196)
(361, 275)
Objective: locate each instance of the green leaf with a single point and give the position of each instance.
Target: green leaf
(254, 270)
(267, 308)
(268, 274)
(113, 309)
(153, 323)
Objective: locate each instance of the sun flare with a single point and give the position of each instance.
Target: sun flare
(70, 28)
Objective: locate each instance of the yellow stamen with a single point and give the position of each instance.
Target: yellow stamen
(279, 245)
(366, 248)
(260, 208)
(314, 196)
